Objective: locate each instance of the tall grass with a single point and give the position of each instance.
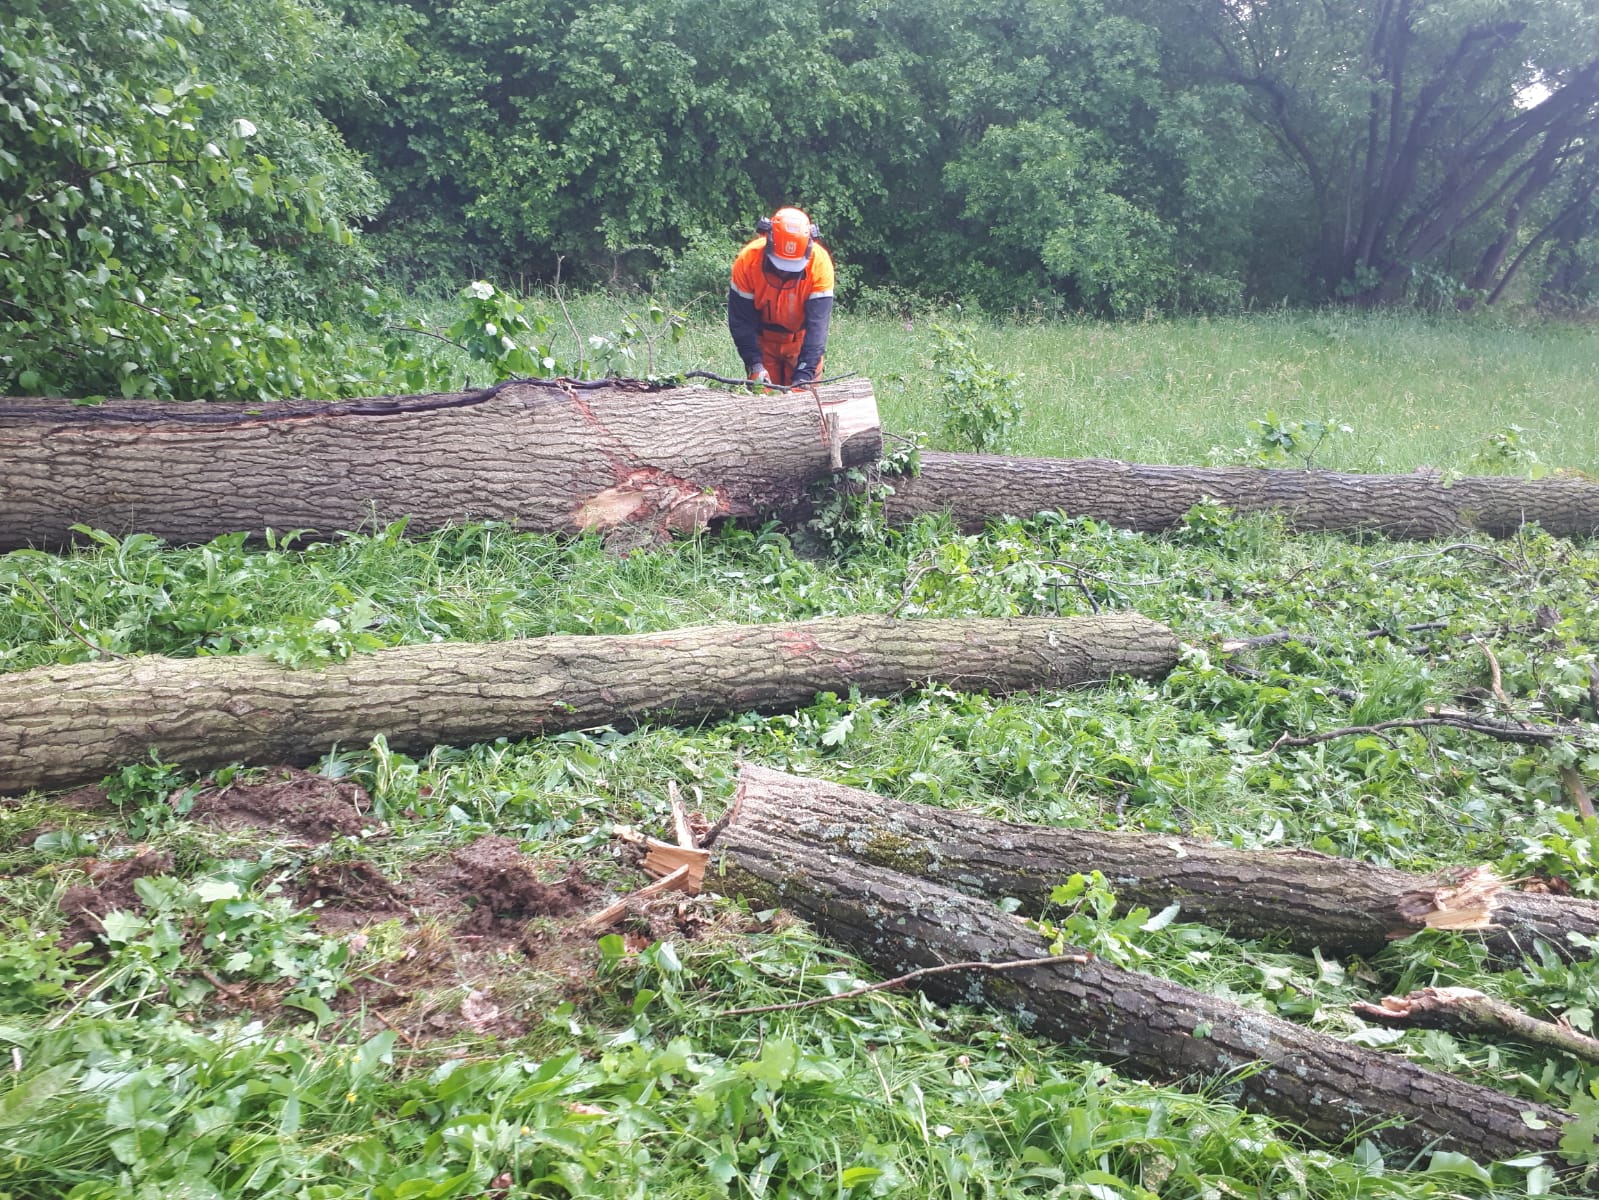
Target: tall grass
(1416, 391)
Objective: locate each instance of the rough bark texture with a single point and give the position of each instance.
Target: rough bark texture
(541, 457)
(975, 488)
(1311, 899)
(1144, 1025)
(64, 724)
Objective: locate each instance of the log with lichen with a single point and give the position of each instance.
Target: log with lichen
(1308, 900)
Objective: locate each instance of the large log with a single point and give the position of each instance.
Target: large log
(1311, 900)
(60, 725)
(976, 488)
(540, 456)
(1146, 1026)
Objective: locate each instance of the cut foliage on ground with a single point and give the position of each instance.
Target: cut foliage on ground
(388, 936)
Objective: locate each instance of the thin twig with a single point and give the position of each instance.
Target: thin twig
(1571, 783)
(65, 624)
(560, 298)
(1279, 637)
(726, 819)
(1106, 579)
(1502, 732)
(1497, 682)
(395, 1029)
(231, 990)
(909, 586)
(1471, 546)
(898, 980)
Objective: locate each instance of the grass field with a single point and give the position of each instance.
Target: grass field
(1415, 392)
(268, 983)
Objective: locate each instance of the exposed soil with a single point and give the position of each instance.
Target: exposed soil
(352, 893)
(500, 884)
(490, 939)
(91, 798)
(110, 888)
(492, 942)
(311, 807)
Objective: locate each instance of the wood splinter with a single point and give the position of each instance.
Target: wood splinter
(614, 912)
(662, 858)
(679, 868)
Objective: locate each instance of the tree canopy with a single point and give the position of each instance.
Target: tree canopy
(189, 183)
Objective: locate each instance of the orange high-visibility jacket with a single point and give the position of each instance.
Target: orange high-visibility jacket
(780, 320)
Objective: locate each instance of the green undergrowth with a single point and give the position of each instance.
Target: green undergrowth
(215, 1044)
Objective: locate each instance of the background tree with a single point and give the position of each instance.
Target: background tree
(1424, 133)
(146, 214)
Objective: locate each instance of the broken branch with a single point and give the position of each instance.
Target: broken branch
(1468, 1011)
(910, 977)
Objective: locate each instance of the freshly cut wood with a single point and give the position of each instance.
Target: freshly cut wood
(1310, 899)
(539, 455)
(60, 725)
(1143, 1025)
(975, 488)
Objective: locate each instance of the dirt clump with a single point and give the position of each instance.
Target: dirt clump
(352, 892)
(92, 798)
(109, 888)
(310, 806)
(499, 883)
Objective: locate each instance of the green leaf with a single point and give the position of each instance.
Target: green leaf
(1447, 1162)
(122, 926)
(209, 890)
(1161, 919)
(24, 1102)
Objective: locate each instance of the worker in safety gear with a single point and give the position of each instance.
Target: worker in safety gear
(780, 303)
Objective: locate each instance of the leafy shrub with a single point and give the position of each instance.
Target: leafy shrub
(981, 403)
(140, 217)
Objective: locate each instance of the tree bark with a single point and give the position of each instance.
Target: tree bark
(60, 725)
(534, 454)
(1144, 1025)
(1312, 900)
(977, 488)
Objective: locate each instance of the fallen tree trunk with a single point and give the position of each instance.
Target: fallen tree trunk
(1330, 1089)
(539, 455)
(976, 488)
(1312, 900)
(64, 724)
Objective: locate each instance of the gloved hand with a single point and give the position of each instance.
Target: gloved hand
(804, 376)
(761, 375)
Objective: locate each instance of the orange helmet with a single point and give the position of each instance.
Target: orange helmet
(789, 234)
